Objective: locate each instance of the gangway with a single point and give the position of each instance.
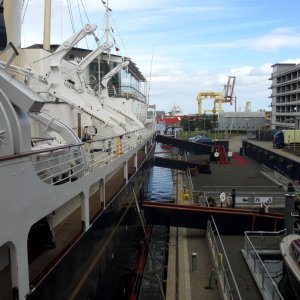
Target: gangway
(228, 220)
(204, 147)
(181, 164)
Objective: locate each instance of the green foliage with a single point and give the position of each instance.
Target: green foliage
(200, 122)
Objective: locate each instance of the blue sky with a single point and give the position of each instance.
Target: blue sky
(196, 45)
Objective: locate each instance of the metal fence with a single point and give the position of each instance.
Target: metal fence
(256, 241)
(244, 198)
(227, 282)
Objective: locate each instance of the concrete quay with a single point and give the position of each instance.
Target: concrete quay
(182, 283)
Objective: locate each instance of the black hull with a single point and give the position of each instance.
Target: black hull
(294, 283)
(99, 264)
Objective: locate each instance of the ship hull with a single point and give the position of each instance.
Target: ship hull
(294, 283)
(100, 262)
(291, 264)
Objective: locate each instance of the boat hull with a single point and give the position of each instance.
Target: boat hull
(100, 262)
(292, 266)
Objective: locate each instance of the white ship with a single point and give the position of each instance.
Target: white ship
(76, 134)
(290, 250)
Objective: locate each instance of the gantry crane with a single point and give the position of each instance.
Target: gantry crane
(219, 97)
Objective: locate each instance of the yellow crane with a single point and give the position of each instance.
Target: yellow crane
(219, 97)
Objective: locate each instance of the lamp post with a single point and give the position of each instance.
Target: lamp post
(247, 127)
(295, 109)
(189, 129)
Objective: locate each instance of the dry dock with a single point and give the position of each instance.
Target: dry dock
(188, 281)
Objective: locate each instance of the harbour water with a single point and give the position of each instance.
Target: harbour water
(161, 180)
(160, 183)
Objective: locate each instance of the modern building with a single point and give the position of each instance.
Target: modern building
(285, 96)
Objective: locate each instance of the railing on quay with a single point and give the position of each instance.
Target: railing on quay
(262, 240)
(227, 282)
(250, 200)
(190, 182)
(276, 176)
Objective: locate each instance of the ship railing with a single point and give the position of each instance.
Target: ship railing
(66, 163)
(223, 271)
(58, 165)
(102, 151)
(127, 92)
(256, 242)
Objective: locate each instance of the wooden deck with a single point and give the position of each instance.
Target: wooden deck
(67, 232)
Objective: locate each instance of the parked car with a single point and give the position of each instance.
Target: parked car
(192, 139)
(202, 139)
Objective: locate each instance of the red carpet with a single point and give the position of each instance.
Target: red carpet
(240, 159)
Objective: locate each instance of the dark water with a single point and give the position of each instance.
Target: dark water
(160, 183)
(274, 267)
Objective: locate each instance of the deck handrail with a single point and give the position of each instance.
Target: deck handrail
(65, 163)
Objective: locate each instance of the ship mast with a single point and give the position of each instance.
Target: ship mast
(47, 25)
(107, 23)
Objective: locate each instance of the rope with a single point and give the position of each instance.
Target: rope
(119, 36)
(71, 15)
(85, 12)
(82, 23)
(25, 9)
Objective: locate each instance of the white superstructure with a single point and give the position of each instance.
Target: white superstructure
(62, 132)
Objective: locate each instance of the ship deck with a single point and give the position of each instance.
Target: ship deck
(67, 232)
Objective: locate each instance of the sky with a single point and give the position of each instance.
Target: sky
(187, 47)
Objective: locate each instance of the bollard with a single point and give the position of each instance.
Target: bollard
(186, 196)
(194, 262)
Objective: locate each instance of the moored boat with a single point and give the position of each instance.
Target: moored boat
(173, 117)
(76, 135)
(290, 250)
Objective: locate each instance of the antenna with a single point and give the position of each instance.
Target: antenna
(107, 21)
(150, 76)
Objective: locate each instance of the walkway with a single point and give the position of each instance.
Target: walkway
(195, 285)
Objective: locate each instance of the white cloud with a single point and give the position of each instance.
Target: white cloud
(179, 73)
(292, 61)
(278, 39)
(251, 85)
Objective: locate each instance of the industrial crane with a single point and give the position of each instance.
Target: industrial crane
(219, 97)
